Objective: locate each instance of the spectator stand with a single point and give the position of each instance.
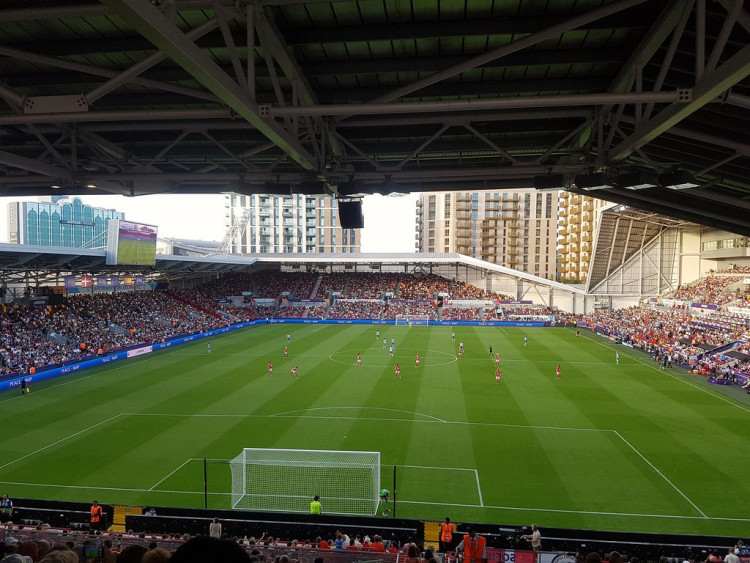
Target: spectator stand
(294, 534)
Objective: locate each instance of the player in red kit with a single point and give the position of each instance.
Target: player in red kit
(397, 372)
(416, 360)
(359, 359)
(286, 351)
(270, 368)
(497, 359)
(559, 372)
(293, 372)
(498, 375)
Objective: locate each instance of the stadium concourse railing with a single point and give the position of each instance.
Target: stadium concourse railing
(13, 381)
(60, 522)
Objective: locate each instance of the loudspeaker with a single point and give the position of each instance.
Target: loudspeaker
(350, 215)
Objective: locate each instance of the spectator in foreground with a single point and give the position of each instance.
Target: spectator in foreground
(205, 549)
(60, 556)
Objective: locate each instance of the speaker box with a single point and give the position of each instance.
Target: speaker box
(350, 215)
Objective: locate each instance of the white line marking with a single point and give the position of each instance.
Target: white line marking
(283, 414)
(430, 419)
(71, 378)
(563, 511)
(172, 473)
(59, 441)
(675, 487)
(434, 467)
(352, 353)
(120, 489)
(479, 489)
(513, 508)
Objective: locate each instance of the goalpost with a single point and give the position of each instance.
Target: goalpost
(413, 320)
(287, 480)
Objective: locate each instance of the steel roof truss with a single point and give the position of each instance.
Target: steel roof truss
(152, 24)
(734, 70)
(522, 43)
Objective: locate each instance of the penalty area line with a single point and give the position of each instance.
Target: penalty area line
(184, 463)
(652, 466)
(61, 440)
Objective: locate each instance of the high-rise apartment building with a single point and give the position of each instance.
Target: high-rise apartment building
(513, 228)
(576, 231)
(59, 221)
(285, 224)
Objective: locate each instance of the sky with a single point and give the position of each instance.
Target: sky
(389, 220)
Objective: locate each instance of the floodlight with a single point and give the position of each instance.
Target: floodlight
(594, 181)
(678, 180)
(638, 180)
(548, 182)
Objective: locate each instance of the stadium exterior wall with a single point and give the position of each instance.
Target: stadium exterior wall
(11, 382)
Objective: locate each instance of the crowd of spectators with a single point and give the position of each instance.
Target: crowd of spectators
(273, 284)
(711, 289)
(429, 286)
(95, 324)
(44, 544)
(460, 314)
(305, 283)
(356, 310)
(399, 307)
(360, 285)
(291, 311)
(99, 323)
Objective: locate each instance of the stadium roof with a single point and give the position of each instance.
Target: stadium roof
(42, 262)
(352, 97)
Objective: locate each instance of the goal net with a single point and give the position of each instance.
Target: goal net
(413, 320)
(287, 480)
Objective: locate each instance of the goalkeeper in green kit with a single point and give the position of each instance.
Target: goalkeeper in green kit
(384, 508)
(315, 505)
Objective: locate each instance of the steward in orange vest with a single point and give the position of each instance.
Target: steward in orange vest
(474, 547)
(446, 535)
(97, 517)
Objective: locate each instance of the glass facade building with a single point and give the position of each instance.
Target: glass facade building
(66, 223)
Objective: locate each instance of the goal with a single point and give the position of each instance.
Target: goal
(413, 320)
(287, 480)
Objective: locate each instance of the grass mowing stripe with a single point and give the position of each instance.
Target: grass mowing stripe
(61, 440)
(539, 448)
(675, 487)
(675, 377)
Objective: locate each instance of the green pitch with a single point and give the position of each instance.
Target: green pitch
(132, 251)
(618, 447)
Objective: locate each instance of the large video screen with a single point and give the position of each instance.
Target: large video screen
(131, 243)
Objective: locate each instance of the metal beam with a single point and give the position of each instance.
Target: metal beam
(711, 85)
(53, 172)
(65, 64)
(142, 66)
(87, 10)
(523, 43)
(152, 24)
(478, 104)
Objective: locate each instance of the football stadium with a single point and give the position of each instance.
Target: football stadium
(559, 372)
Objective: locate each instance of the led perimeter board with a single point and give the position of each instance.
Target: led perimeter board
(131, 243)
